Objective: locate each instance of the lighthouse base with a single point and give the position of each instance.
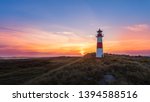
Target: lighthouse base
(99, 53)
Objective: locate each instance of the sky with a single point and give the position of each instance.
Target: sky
(43, 28)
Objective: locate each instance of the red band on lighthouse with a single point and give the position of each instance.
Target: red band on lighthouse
(99, 45)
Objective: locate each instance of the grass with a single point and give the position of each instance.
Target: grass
(88, 70)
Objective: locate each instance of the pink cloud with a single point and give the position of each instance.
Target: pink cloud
(13, 52)
(139, 32)
(134, 52)
(137, 28)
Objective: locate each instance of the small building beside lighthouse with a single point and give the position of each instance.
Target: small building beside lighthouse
(99, 51)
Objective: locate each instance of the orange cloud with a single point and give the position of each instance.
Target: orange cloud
(45, 42)
(134, 39)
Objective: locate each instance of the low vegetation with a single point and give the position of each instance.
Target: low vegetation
(88, 70)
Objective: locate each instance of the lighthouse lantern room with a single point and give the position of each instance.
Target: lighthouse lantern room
(99, 52)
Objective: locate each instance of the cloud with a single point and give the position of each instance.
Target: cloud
(139, 52)
(137, 28)
(65, 33)
(3, 46)
(33, 41)
(134, 52)
(10, 52)
(8, 29)
(18, 52)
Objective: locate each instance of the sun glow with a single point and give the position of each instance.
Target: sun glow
(82, 52)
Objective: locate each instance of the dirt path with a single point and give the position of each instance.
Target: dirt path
(56, 69)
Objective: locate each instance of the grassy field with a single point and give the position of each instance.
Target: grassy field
(87, 70)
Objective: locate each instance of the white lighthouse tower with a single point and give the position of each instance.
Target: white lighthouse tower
(99, 52)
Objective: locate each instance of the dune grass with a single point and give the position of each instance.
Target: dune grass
(130, 70)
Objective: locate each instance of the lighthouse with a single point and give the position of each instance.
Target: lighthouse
(99, 52)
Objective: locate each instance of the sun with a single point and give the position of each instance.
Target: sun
(82, 52)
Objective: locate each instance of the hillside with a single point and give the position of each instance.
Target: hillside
(87, 70)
